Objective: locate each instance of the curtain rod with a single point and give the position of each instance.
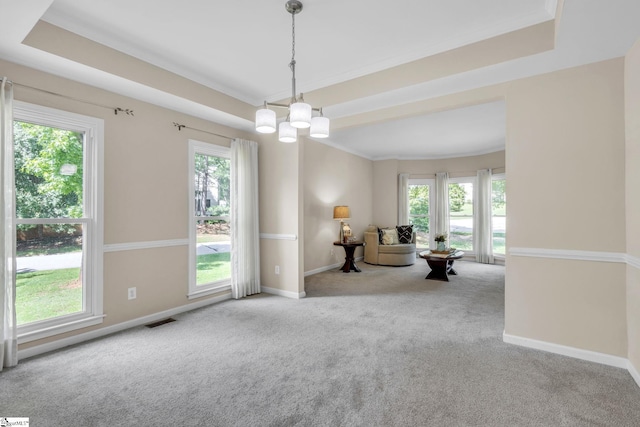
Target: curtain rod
(115, 110)
(180, 127)
(465, 173)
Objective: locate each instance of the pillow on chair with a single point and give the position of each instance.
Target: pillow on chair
(405, 233)
(390, 236)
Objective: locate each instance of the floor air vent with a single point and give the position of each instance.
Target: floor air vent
(160, 322)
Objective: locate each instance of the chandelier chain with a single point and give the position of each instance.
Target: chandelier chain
(293, 38)
(292, 64)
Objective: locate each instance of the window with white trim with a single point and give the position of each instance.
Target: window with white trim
(59, 232)
(209, 221)
(461, 213)
(420, 212)
(498, 213)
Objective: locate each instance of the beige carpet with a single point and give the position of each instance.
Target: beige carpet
(384, 347)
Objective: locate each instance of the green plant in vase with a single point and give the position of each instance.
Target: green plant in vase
(440, 240)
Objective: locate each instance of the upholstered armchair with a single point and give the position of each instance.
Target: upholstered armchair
(395, 254)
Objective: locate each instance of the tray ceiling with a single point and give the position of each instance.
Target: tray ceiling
(379, 69)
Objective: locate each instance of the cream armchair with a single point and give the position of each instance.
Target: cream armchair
(396, 255)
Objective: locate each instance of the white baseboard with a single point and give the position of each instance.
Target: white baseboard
(323, 269)
(591, 356)
(295, 295)
(634, 372)
(281, 293)
(77, 339)
(328, 267)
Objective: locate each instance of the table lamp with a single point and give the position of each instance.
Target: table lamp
(340, 213)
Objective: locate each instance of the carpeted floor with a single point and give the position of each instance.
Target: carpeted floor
(384, 347)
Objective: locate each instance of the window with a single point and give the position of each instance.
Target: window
(58, 186)
(419, 209)
(209, 208)
(498, 213)
(461, 213)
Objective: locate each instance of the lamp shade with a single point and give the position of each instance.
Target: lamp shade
(265, 120)
(287, 133)
(341, 212)
(319, 127)
(300, 115)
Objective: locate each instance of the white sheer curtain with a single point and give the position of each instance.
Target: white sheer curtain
(245, 232)
(482, 230)
(8, 339)
(441, 217)
(403, 199)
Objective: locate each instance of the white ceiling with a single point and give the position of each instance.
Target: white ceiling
(242, 48)
(467, 131)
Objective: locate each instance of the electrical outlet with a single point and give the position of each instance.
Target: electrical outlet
(333, 252)
(277, 269)
(132, 293)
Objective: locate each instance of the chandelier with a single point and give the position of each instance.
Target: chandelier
(301, 114)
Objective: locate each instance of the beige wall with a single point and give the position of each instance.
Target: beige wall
(565, 151)
(385, 193)
(565, 157)
(385, 178)
(145, 192)
(333, 177)
(280, 214)
(573, 303)
(632, 157)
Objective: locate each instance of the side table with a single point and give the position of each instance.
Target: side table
(349, 260)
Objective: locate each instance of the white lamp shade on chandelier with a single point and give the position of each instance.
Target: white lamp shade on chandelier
(287, 133)
(319, 127)
(266, 123)
(265, 120)
(300, 113)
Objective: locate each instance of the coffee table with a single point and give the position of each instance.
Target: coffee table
(441, 264)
